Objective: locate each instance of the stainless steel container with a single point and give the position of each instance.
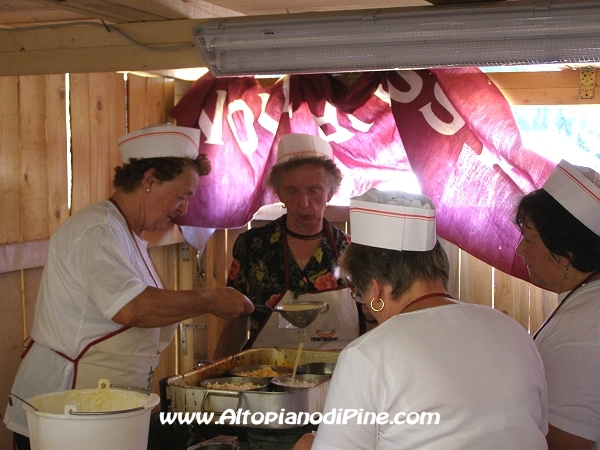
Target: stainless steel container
(303, 381)
(319, 368)
(188, 396)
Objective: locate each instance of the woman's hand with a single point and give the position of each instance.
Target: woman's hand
(227, 303)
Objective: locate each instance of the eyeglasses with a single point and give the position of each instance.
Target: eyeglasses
(357, 295)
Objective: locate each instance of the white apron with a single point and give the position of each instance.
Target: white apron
(126, 357)
(332, 329)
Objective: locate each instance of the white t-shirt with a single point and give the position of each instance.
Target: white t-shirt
(475, 367)
(570, 348)
(94, 268)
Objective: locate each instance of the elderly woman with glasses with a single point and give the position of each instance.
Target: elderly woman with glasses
(102, 310)
(435, 373)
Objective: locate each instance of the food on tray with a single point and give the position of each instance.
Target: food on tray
(260, 371)
(265, 372)
(233, 386)
(306, 383)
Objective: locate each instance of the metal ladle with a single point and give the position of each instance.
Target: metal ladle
(300, 318)
(301, 314)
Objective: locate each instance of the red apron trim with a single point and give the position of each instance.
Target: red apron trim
(27, 347)
(75, 361)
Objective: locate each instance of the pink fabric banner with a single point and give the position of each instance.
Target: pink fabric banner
(451, 127)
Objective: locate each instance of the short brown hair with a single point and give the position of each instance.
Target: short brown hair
(561, 232)
(130, 175)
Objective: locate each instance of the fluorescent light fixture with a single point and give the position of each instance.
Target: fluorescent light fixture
(483, 34)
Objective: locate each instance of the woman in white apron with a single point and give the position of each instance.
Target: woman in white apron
(101, 310)
(293, 257)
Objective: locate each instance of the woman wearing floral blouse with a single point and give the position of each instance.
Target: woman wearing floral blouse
(294, 257)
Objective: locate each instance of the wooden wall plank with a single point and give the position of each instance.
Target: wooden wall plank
(542, 303)
(97, 119)
(34, 176)
(475, 280)
(11, 338)
(542, 88)
(57, 163)
(136, 94)
(10, 161)
(521, 302)
(216, 256)
(100, 175)
(180, 87)
(503, 298)
(186, 257)
(164, 259)
(107, 124)
(511, 296)
(168, 99)
(118, 123)
(155, 101)
(80, 141)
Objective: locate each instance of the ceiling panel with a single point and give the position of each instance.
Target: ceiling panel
(31, 12)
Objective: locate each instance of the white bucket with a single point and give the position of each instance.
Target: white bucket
(91, 419)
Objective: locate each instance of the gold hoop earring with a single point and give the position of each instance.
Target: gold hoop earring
(382, 304)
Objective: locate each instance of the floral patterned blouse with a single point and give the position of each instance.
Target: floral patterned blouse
(258, 267)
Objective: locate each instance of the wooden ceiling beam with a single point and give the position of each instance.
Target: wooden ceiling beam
(118, 11)
(459, 2)
(93, 48)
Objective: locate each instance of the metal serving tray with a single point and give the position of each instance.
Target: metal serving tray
(188, 396)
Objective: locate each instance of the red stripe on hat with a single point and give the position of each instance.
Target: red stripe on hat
(303, 152)
(392, 214)
(162, 133)
(579, 183)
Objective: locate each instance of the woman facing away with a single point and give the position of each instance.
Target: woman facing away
(438, 373)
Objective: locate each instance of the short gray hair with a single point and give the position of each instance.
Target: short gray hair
(400, 269)
(278, 172)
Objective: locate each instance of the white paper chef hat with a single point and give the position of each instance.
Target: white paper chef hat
(302, 146)
(160, 141)
(577, 189)
(394, 220)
